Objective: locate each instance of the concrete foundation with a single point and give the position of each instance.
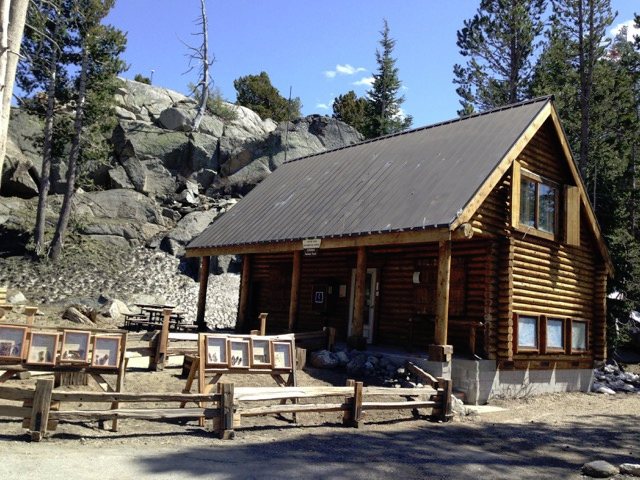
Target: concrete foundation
(480, 380)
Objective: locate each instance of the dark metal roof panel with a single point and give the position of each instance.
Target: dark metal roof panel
(414, 180)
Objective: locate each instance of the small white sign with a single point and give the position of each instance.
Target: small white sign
(311, 243)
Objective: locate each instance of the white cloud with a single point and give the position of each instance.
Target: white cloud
(322, 106)
(348, 69)
(343, 70)
(631, 30)
(366, 81)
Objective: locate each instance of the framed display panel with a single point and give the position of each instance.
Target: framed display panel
(239, 354)
(75, 347)
(282, 355)
(12, 341)
(261, 353)
(216, 351)
(43, 348)
(106, 352)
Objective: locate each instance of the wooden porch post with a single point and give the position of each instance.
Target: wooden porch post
(295, 289)
(440, 351)
(245, 281)
(202, 293)
(357, 326)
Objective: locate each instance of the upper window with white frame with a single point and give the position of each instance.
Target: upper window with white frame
(538, 204)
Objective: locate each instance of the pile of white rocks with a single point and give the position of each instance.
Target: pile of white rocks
(143, 276)
(610, 379)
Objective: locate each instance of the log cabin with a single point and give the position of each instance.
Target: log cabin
(470, 243)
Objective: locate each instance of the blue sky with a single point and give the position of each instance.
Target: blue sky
(320, 49)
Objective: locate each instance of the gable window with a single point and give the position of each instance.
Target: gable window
(538, 204)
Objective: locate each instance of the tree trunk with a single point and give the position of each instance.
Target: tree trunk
(17, 17)
(46, 155)
(65, 212)
(204, 82)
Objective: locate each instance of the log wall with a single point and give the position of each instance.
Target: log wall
(538, 276)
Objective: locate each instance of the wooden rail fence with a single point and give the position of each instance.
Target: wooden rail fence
(228, 404)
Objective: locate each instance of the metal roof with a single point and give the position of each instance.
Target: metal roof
(418, 179)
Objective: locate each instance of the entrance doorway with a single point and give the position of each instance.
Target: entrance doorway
(371, 292)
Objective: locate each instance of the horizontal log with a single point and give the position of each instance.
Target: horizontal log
(541, 280)
(14, 411)
(559, 297)
(398, 405)
(552, 263)
(16, 393)
(294, 408)
(61, 396)
(141, 414)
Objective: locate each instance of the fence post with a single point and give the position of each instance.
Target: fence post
(445, 389)
(161, 353)
(226, 411)
(353, 416)
(40, 409)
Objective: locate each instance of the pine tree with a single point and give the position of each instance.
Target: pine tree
(499, 42)
(383, 113)
(350, 109)
(98, 49)
(257, 93)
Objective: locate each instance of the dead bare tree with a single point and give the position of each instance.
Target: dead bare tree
(13, 14)
(200, 56)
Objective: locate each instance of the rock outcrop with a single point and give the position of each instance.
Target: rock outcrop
(164, 183)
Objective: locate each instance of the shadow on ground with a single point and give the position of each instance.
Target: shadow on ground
(459, 450)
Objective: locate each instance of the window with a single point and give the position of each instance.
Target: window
(555, 335)
(527, 333)
(578, 336)
(538, 203)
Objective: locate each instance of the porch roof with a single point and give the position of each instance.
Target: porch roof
(415, 180)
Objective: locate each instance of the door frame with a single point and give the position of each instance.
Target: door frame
(369, 325)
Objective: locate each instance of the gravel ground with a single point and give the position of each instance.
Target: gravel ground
(548, 436)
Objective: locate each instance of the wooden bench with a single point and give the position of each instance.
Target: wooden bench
(324, 339)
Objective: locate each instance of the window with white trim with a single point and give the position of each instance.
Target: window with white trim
(538, 205)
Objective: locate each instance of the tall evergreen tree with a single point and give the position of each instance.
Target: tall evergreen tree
(73, 56)
(350, 109)
(499, 42)
(98, 48)
(383, 113)
(586, 23)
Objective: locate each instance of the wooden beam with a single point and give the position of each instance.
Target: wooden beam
(161, 355)
(295, 289)
(357, 325)
(41, 408)
(363, 240)
(442, 302)
(205, 263)
(243, 302)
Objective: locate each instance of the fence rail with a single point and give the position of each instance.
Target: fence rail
(228, 405)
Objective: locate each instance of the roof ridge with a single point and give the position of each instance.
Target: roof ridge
(427, 127)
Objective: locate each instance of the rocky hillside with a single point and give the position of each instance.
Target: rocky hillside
(162, 185)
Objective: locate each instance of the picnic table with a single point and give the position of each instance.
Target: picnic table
(151, 317)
